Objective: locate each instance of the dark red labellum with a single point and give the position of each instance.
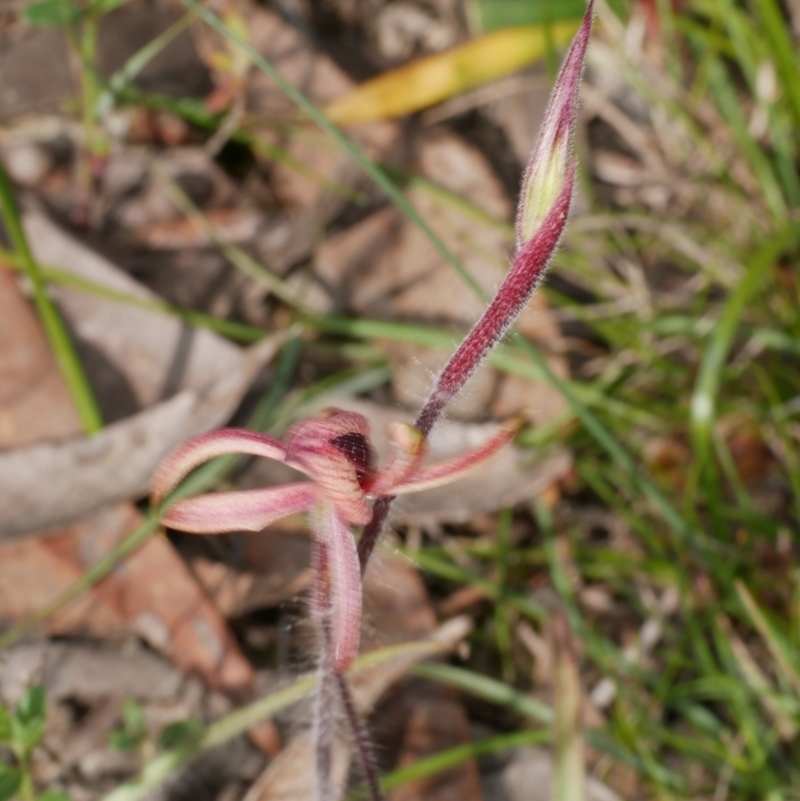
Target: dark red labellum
(357, 449)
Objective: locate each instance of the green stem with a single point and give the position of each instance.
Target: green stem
(54, 327)
(26, 788)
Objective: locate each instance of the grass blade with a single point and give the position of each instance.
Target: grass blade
(569, 783)
(449, 758)
(488, 689)
(55, 330)
(784, 52)
(709, 379)
(489, 15)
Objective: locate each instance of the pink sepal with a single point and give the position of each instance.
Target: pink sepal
(185, 458)
(461, 465)
(244, 510)
(344, 577)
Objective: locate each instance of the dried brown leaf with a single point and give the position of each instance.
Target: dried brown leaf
(185, 381)
(151, 594)
(35, 404)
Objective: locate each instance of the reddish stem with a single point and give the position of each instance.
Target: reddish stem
(524, 276)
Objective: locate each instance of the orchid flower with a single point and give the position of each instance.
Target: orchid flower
(334, 451)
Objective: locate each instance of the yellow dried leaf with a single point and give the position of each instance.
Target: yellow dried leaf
(432, 79)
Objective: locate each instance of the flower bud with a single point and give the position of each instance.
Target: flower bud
(550, 167)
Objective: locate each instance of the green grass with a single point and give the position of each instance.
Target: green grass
(54, 328)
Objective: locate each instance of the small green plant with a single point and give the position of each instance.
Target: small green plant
(132, 734)
(21, 731)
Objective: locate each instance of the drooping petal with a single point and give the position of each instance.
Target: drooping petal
(461, 465)
(185, 458)
(340, 557)
(409, 449)
(244, 510)
(310, 446)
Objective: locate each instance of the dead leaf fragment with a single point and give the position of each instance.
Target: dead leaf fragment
(151, 594)
(87, 672)
(185, 380)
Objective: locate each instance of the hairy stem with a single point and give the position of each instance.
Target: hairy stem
(512, 297)
(362, 746)
(324, 722)
(372, 531)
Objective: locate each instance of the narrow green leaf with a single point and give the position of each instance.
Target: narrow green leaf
(52, 13)
(10, 781)
(240, 332)
(54, 327)
(450, 757)
(490, 15)
(5, 725)
(784, 52)
(496, 692)
(709, 379)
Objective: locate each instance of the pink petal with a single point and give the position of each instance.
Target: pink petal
(344, 582)
(462, 465)
(245, 510)
(330, 425)
(185, 458)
